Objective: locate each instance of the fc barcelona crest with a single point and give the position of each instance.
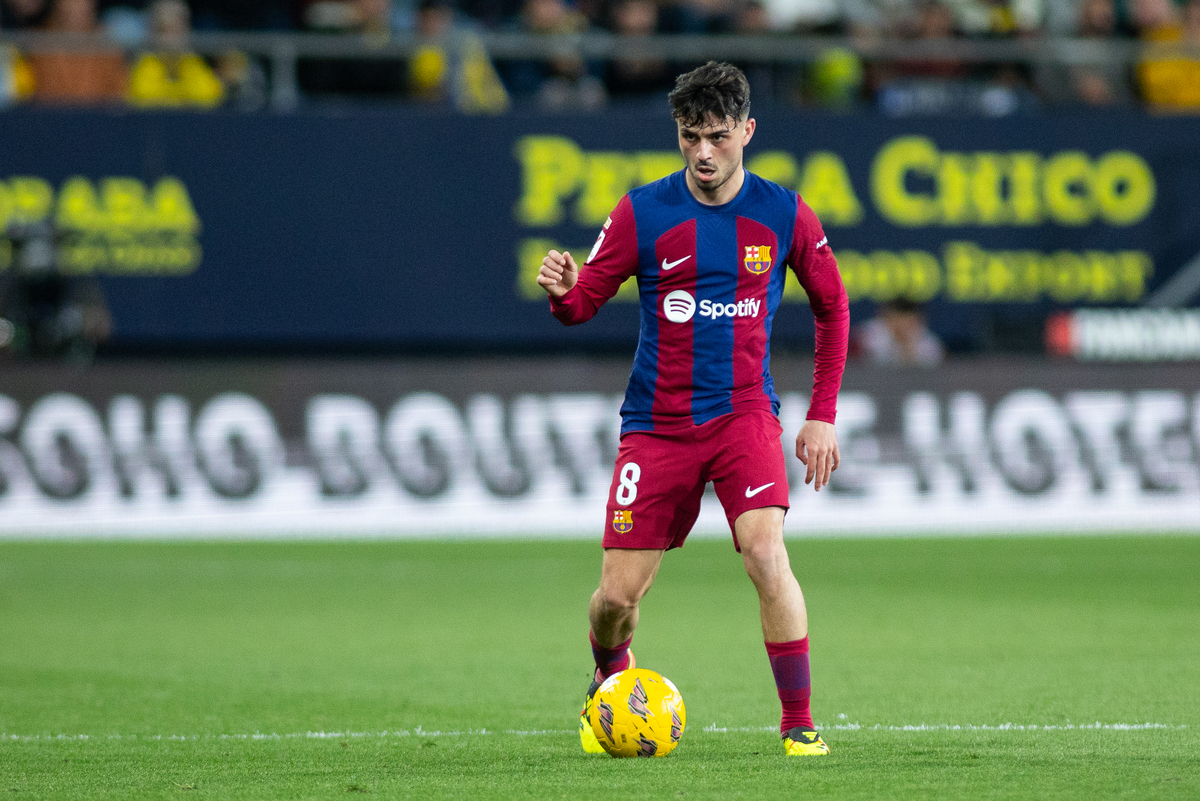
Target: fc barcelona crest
(622, 521)
(758, 258)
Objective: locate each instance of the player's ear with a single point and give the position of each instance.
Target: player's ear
(749, 131)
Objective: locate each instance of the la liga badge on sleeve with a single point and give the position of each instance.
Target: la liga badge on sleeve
(622, 521)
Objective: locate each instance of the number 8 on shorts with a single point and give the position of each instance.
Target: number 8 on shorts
(627, 490)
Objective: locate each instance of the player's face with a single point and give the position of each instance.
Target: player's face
(713, 153)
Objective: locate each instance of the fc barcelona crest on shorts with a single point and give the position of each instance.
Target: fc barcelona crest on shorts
(622, 521)
(758, 258)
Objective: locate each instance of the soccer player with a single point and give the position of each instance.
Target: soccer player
(709, 246)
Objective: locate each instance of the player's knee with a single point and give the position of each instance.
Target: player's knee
(617, 599)
(765, 559)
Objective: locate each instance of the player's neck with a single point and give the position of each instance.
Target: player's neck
(722, 194)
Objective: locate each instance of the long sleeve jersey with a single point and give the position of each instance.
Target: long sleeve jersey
(710, 279)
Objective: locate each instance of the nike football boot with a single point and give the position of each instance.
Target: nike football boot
(803, 741)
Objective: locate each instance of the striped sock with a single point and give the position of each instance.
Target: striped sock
(609, 660)
(789, 663)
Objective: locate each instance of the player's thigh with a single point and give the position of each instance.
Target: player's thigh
(746, 465)
(655, 494)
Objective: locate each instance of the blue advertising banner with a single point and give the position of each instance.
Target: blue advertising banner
(374, 228)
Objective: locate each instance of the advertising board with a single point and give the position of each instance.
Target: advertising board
(525, 448)
(408, 229)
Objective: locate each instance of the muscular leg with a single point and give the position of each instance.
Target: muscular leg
(625, 576)
(784, 624)
(760, 535)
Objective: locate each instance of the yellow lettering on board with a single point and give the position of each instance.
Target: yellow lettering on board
(1124, 187)
(551, 170)
(827, 189)
(775, 165)
(172, 207)
(31, 199)
(78, 207)
(1066, 186)
(607, 177)
(124, 202)
(899, 158)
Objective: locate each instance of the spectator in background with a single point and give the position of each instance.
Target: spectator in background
(1155, 20)
(999, 18)
(934, 21)
(23, 13)
(767, 81)
(429, 71)
(636, 77)
(1062, 17)
(927, 84)
(867, 22)
(1004, 19)
(171, 76)
(943, 84)
(836, 79)
(804, 16)
(72, 77)
(1104, 83)
(874, 19)
(899, 335)
(451, 66)
(244, 81)
(1169, 81)
(563, 81)
(16, 78)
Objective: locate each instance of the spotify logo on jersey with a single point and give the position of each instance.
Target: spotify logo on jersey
(679, 306)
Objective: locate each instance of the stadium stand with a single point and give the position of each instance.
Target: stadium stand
(989, 57)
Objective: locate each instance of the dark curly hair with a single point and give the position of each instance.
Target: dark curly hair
(714, 90)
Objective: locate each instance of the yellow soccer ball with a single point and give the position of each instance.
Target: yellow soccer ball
(637, 713)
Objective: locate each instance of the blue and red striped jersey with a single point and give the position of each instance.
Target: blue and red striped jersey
(710, 279)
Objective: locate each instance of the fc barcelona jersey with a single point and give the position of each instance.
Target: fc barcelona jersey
(710, 279)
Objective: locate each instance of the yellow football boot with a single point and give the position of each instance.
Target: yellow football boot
(587, 737)
(802, 741)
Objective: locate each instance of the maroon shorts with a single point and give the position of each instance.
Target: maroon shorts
(659, 478)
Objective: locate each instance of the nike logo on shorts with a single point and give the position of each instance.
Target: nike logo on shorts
(667, 265)
(750, 493)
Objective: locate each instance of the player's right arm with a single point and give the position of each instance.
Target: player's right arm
(577, 294)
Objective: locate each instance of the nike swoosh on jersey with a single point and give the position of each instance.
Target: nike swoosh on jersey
(667, 265)
(750, 493)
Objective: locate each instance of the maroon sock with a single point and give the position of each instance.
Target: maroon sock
(610, 660)
(789, 663)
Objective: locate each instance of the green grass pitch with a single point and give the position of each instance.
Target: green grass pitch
(456, 670)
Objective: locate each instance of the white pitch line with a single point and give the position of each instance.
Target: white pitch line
(711, 728)
(966, 727)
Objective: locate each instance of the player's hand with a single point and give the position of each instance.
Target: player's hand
(816, 446)
(558, 274)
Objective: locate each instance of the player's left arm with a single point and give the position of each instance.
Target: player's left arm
(815, 266)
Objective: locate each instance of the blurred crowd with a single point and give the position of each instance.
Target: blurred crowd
(150, 64)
